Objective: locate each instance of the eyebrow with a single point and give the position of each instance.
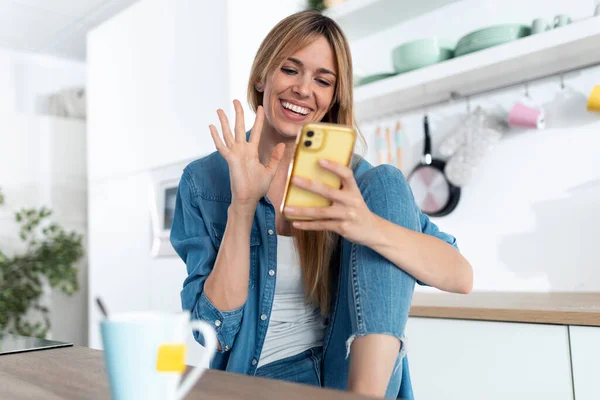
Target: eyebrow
(301, 64)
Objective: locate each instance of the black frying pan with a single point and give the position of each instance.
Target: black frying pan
(434, 194)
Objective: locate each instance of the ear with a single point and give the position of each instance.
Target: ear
(258, 87)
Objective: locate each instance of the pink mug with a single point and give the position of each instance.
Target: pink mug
(525, 116)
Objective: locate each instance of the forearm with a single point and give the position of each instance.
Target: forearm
(425, 257)
(227, 285)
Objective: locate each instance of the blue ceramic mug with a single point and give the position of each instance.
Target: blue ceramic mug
(145, 352)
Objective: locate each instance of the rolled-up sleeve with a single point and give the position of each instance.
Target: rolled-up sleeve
(192, 242)
(430, 228)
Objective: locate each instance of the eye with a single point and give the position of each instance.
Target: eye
(288, 71)
(323, 82)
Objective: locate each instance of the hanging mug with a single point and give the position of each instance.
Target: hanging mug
(593, 103)
(524, 114)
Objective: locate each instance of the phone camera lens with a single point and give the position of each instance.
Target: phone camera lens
(310, 134)
(307, 143)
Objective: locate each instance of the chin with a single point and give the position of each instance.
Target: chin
(290, 130)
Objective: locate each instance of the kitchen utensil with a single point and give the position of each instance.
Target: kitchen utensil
(593, 103)
(398, 141)
(489, 37)
(434, 194)
(380, 146)
(388, 145)
(540, 25)
(421, 53)
(477, 135)
(102, 307)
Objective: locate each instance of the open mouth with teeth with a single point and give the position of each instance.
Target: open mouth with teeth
(294, 110)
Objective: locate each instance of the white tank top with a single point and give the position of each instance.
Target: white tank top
(294, 326)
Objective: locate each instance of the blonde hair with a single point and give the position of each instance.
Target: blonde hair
(315, 248)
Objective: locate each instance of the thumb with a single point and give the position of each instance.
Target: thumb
(276, 157)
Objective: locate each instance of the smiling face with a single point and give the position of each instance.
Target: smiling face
(301, 90)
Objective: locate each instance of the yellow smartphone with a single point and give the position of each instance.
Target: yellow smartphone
(315, 142)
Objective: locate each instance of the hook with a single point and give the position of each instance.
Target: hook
(527, 89)
(562, 81)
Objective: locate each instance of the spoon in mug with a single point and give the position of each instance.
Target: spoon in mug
(102, 308)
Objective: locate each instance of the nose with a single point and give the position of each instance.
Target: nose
(303, 88)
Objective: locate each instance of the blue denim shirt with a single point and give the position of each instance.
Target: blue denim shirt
(203, 198)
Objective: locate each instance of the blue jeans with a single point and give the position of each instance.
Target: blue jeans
(304, 368)
(374, 296)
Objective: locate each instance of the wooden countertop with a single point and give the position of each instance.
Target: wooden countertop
(544, 308)
(78, 373)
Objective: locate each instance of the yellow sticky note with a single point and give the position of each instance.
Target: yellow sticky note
(171, 358)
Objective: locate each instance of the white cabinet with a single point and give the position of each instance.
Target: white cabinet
(459, 359)
(585, 355)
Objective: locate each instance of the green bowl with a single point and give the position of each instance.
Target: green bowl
(420, 53)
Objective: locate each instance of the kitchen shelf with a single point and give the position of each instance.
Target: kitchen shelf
(534, 57)
(361, 18)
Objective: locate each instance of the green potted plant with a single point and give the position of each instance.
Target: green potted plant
(48, 260)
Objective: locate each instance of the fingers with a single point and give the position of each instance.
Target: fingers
(221, 148)
(240, 130)
(347, 175)
(225, 128)
(258, 125)
(322, 189)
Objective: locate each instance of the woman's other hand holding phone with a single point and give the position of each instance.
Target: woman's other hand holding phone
(348, 215)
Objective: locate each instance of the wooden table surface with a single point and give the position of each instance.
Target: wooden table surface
(547, 308)
(78, 373)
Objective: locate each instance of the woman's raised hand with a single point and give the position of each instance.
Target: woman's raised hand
(250, 180)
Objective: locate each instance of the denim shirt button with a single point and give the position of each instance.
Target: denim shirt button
(226, 348)
(254, 362)
(271, 272)
(217, 323)
(263, 317)
(270, 232)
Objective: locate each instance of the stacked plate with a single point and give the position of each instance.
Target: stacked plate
(489, 37)
(372, 78)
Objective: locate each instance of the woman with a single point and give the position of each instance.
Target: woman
(355, 264)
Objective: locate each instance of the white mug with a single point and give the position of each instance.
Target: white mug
(562, 20)
(540, 25)
(144, 354)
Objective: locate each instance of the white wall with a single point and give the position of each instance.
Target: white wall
(156, 75)
(42, 163)
(526, 221)
(25, 79)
